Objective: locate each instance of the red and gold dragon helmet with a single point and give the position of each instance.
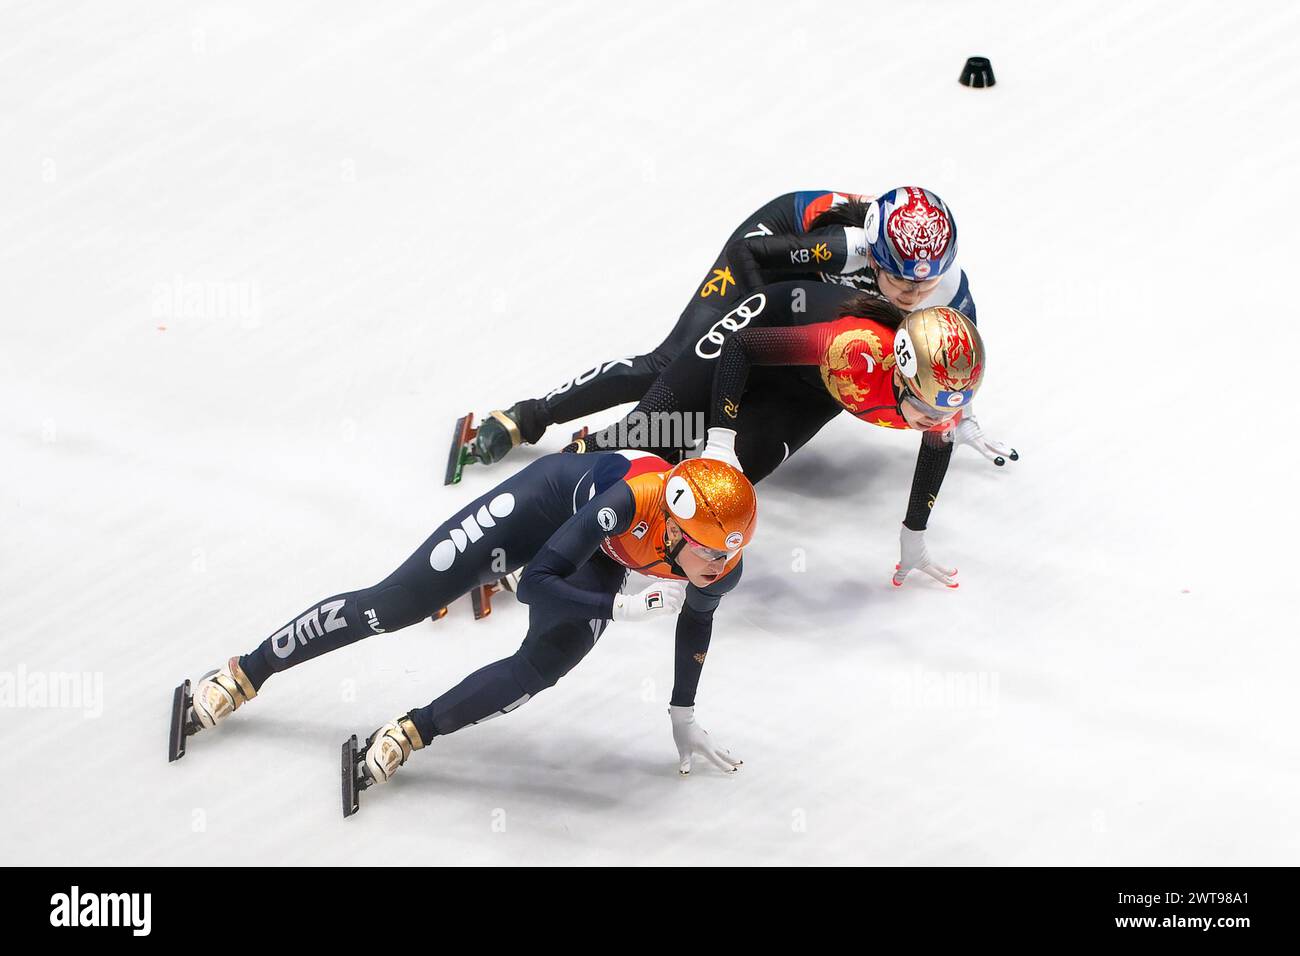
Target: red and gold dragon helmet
(940, 356)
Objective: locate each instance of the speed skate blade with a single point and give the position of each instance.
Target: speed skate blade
(181, 700)
(351, 791)
(481, 599)
(456, 456)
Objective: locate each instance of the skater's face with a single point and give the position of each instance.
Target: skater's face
(916, 413)
(905, 294)
(700, 565)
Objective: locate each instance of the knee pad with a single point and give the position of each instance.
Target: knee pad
(544, 658)
(657, 360)
(530, 679)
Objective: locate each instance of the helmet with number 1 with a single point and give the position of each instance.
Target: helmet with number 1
(911, 233)
(713, 503)
(940, 356)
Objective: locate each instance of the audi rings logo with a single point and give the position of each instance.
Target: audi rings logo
(710, 344)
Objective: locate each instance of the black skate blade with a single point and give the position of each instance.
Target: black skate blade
(352, 784)
(481, 599)
(181, 700)
(456, 456)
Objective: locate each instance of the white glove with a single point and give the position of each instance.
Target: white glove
(692, 739)
(721, 446)
(655, 601)
(915, 557)
(968, 432)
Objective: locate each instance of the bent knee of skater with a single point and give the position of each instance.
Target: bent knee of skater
(658, 360)
(530, 677)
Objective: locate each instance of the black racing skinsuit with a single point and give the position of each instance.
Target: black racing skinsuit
(783, 405)
(780, 240)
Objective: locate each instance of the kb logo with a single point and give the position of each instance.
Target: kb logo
(737, 318)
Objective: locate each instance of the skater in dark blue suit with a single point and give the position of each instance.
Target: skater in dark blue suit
(580, 523)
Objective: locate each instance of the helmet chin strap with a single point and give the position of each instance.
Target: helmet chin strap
(672, 551)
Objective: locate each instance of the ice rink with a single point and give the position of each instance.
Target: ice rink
(255, 259)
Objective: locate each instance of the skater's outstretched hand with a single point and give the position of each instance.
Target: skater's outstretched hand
(968, 432)
(665, 598)
(693, 740)
(916, 557)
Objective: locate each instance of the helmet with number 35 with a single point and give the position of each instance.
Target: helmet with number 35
(940, 356)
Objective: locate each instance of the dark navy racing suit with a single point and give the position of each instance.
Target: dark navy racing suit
(546, 516)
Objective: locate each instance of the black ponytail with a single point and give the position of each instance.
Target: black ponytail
(869, 305)
(864, 305)
(851, 213)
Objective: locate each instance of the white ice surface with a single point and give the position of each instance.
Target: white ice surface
(443, 209)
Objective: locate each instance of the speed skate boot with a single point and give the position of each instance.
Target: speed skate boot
(502, 431)
(218, 695)
(221, 693)
(389, 746)
(385, 751)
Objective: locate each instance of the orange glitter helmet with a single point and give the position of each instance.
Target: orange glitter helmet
(713, 503)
